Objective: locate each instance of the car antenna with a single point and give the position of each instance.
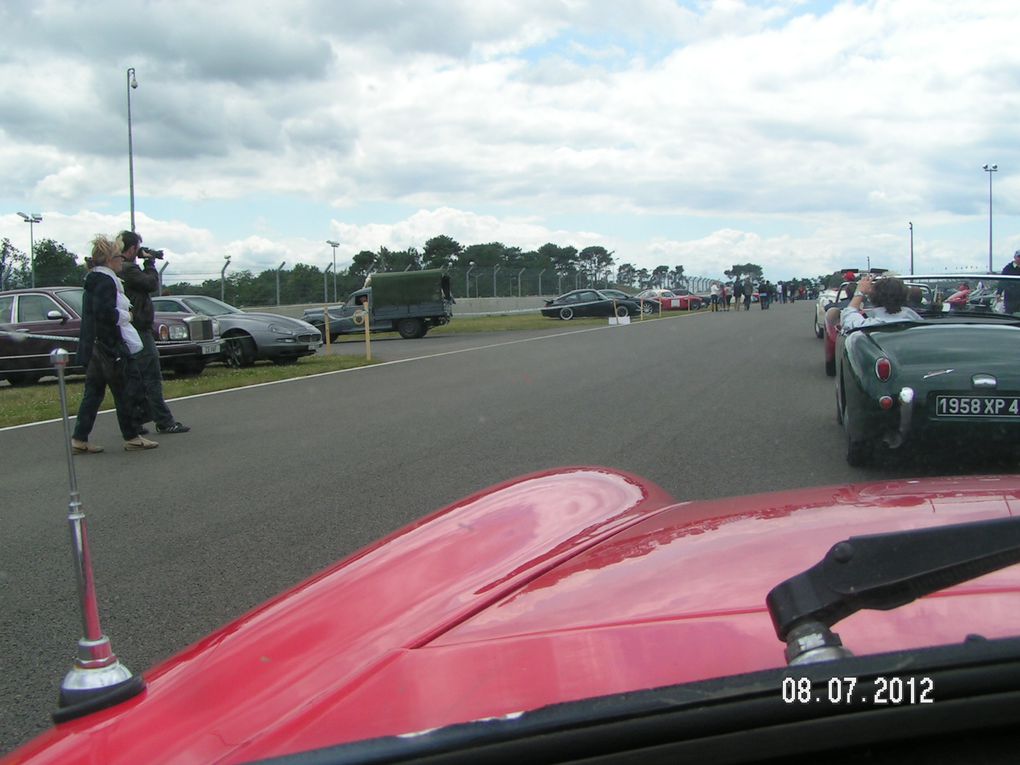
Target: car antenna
(97, 679)
(883, 572)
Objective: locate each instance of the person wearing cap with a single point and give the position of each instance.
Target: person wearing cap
(1011, 290)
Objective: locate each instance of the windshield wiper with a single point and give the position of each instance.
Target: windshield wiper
(883, 572)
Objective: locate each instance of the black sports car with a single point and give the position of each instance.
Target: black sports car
(589, 302)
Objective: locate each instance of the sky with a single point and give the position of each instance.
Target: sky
(805, 137)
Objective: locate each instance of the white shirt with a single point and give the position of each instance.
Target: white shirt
(128, 333)
(852, 318)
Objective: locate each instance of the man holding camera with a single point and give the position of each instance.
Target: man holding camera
(139, 284)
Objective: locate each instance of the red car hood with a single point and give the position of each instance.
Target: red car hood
(557, 586)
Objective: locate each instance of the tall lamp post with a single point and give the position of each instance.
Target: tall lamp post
(467, 279)
(223, 277)
(278, 270)
(325, 289)
(911, 224)
(990, 169)
(31, 220)
(334, 245)
(132, 83)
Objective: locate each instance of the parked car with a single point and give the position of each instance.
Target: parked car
(951, 378)
(702, 300)
(671, 301)
(408, 302)
(588, 302)
(249, 336)
(583, 615)
(647, 306)
(34, 322)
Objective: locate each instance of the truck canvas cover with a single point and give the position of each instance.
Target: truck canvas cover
(409, 287)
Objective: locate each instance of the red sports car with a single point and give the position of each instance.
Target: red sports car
(670, 301)
(584, 613)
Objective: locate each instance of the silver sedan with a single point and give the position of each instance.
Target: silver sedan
(249, 336)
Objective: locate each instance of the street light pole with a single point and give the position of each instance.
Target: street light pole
(911, 224)
(132, 83)
(467, 279)
(223, 278)
(278, 281)
(31, 220)
(990, 169)
(334, 245)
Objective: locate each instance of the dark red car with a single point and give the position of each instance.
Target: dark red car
(34, 322)
(583, 614)
(670, 300)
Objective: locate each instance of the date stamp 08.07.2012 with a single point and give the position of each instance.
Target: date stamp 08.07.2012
(873, 691)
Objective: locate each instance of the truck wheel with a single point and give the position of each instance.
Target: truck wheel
(410, 329)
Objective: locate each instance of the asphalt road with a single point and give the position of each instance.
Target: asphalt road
(278, 481)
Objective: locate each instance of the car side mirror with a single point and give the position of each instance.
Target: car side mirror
(55, 314)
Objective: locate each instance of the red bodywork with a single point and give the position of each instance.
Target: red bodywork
(670, 301)
(557, 586)
(833, 325)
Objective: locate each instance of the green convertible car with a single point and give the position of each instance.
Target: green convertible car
(953, 375)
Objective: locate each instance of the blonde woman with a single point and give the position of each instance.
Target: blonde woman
(106, 349)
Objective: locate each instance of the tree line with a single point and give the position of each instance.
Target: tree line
(476, 270)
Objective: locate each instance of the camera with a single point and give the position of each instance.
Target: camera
(147, 252)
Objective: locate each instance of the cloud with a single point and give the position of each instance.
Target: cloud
(809, 130)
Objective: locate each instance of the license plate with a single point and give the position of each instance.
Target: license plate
(1005, 407)
(211, 348)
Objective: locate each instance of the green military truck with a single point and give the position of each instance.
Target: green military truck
(408, 302)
